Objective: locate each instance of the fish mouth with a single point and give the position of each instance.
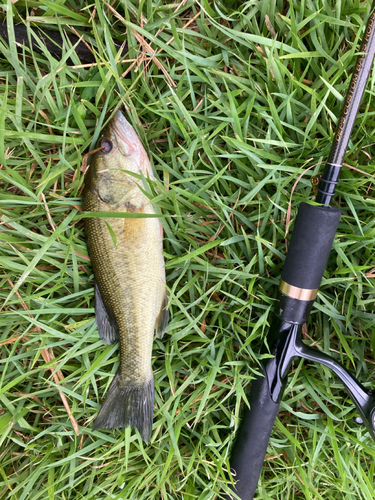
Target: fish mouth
(128, 142)
(119, 121)
(125, 133)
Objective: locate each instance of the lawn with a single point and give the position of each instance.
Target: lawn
(236, 103)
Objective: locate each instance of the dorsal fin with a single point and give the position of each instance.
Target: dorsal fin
(106, 324)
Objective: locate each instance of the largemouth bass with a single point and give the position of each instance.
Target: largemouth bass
(130, 290)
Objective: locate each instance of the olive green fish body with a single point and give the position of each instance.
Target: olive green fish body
(129, 273)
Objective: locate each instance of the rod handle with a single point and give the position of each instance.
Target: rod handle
(313, 234)
(253, 436)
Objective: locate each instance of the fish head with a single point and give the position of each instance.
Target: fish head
(122, 155)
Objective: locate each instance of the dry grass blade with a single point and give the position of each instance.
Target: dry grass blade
(146, 47)
(57, 375)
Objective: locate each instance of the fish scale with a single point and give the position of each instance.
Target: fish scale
(129, 274)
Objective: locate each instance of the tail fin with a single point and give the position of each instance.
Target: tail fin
(128, 406)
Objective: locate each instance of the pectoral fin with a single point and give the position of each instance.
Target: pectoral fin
(106, 324)
(162, 319)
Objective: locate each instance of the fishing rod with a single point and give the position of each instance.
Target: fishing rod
(311, 242)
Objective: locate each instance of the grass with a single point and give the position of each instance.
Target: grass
(230, 117)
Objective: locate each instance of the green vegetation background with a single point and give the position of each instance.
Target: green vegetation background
(233, 101)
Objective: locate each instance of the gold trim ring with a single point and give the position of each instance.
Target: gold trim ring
(297, 293)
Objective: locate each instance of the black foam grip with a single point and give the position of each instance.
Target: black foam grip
(311, 242)
(251, 443)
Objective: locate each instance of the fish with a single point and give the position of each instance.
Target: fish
(129, 272)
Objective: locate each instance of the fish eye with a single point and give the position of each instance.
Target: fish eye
(106, 144)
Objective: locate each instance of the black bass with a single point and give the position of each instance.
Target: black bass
(130, 289)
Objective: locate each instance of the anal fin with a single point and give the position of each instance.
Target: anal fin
(162, 319)
(106, 324)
